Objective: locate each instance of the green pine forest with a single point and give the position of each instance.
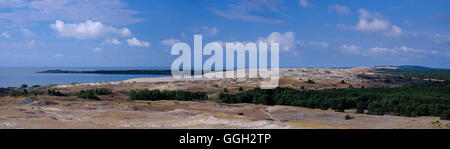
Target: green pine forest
(426, 99)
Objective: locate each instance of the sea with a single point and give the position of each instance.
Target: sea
(16, 76)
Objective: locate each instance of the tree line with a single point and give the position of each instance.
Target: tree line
(93, 94)
(166, 95)
(418, 72)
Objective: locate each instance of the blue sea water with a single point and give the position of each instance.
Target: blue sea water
(16, 76)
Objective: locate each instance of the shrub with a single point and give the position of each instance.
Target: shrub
(166, 95)
(89, 94)
(3, 92)
(241, 89)
(103, 91)
(310, 81)
(36, 93)
(348, 117)
(15, 94)
(225, 90)
(55, 93)
(436, 123)
(387, 81)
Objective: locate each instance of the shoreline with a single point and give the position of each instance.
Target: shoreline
(301, 74)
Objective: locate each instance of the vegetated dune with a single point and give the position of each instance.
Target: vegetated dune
(116, 111)
(309, 78)
(64, 113)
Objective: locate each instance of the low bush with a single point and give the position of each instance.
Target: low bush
(166, 95)
(55, 93)
(103, 91)
(310, 81)
(89, 94)
(348, 117)
(16, 94)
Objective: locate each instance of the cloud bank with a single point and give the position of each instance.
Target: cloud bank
(88, 30)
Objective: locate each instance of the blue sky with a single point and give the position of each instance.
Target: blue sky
(312, 33)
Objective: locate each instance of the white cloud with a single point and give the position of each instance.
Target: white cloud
(58, 55)
(353, 49)
(441, 39)
(408, 49)
(210, 31)
(12, 3)
(434, 52)
(378, 50)
(398, 51)
(375, 22)
(5, 35)
(339, 9)
(447, 53)
(408, 23)
(374, 25)
(395, 31)
(318, 44)
(135, 42)
(113, 41)
(250, 10)
(303, 3)
(97, 50)
(26, 32)
(88, 30)
(25, 12)
(18, 45)
(170, 42)
(286, 40)
(364, 14)
(32, 43)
